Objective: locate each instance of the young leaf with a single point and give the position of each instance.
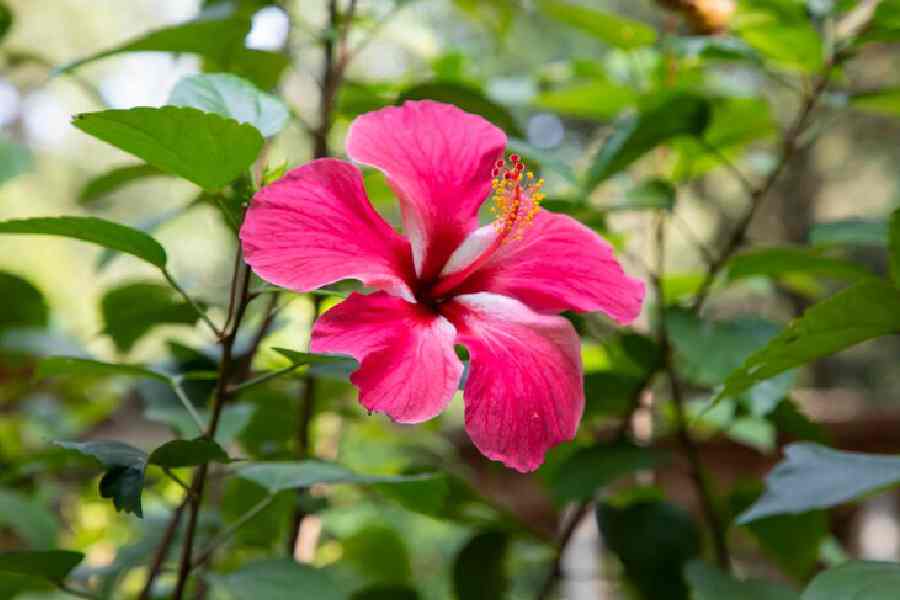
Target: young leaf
(72, 365)
(123, 480)
(232, 97)
(813, 476)
(613, 29)
(15, 158)
(278, 580)
(188, 453)
(204, 148)
(864, 311)
(110, 181)
(479, 571)
(680, 115)
(52, 565)
(588, 469)
(23, 304)
(709, 583)
(133, 309)
(867, 580)
(653, 540)
(96, 231)
(278, 476)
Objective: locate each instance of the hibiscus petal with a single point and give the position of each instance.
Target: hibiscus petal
(408, 367)
(559, 264)
(524, 390)
(438, 159)
(315, 226)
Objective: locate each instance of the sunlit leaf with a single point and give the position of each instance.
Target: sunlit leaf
(612, 29)
(202, 147)
(856, 579)
(96, 231)
(886, 101)
(599, 99)
(479, 571)
(232, 97)
(864, 311)
(813, 476)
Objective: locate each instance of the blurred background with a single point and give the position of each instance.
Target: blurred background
(560, 85)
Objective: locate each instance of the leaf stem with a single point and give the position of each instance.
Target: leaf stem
(200, 312)
(175, 382)
(227, 533)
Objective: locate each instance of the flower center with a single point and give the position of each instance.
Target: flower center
(517, 198)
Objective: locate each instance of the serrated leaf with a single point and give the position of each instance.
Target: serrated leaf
(467, 98)
(204, 148)
(53, 366)
(96, 231)
(52, 565)
(278, 580)
(278, 476)
(613, 29)
(865, 580)
(110, 181)
(709, 583)
(15, 158)
(188, 453)
(589, 469)
(813, 476)
(634, 136)
(787, 260)
(864, 311)
(232, 97)
(23, 304)
(479, 570)
(132, 310)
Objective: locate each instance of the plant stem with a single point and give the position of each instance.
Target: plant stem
(565, 537)
(163, 549)
(199, 310)
(226, 534)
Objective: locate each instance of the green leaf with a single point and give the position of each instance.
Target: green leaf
(379, 553)
(894, 247)
(610, 28)
(864, 311)
(202, 147)
(600, 99)
(853, 232)
(328, 365)
(52, 565)
(6, 20)
(386, 592)
(15, 158)
(96, 231)
(132, 310)
(53, 366)
(106, 183)
(278, 580)
(650, 194)
(886, 102)
(123, 480)
(23, 304)
(278, 476)
(781, 261)
(709, 583)
(479, 571)
(232, 97)
(681, 115)
(467, 98)
(653, 540)
(188, 453)
(864, 580)
(813, 476)
(216, 40)
(589, 469)
(31, 521)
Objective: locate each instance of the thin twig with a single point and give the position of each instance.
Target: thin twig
(200, 312)
(565, 538)
(163, 549)
(175, 382)
(227, 533)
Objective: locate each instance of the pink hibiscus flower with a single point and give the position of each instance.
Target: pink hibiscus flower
(495, 289)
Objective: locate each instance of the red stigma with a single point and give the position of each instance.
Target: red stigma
(514, 158)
